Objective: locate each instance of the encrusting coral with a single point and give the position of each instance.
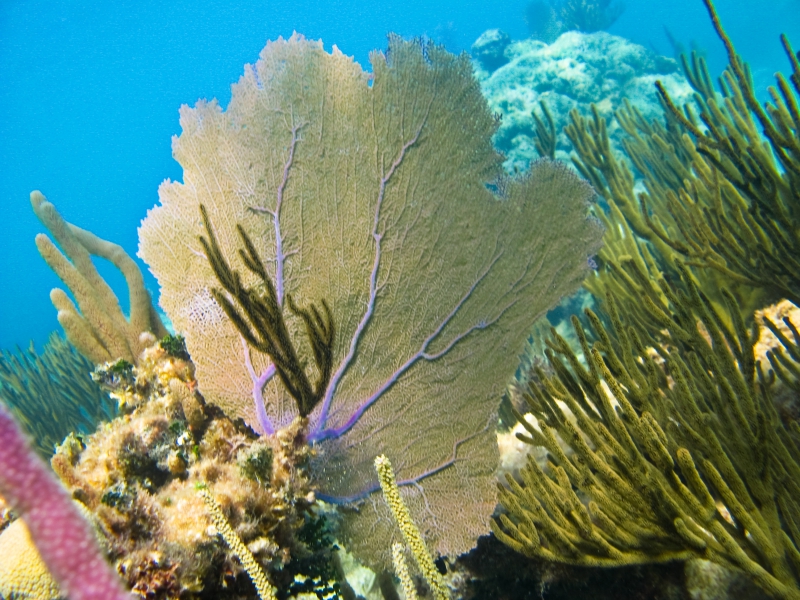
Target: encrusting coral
(341, 204)
(139, 475)
(99, 330)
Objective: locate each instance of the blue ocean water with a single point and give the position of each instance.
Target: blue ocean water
(90, 95)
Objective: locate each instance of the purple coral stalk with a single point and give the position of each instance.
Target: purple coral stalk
(64, 539)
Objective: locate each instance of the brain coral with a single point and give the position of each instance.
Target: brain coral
(23, 575)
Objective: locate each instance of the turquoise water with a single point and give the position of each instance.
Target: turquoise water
(90, 95)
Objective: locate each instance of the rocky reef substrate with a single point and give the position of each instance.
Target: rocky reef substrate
(574, 72)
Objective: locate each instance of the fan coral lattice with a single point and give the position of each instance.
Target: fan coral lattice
(375, 198)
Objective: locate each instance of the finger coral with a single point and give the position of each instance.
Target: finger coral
(378, 199)
(99, 329)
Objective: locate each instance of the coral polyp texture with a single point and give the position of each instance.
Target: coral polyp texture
(64, 539)
(381, 196)
(22, 572)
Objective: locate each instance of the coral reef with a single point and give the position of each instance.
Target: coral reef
(358, 192)
(139, 475)
(718, 188)
(489, 49)
(52, 394)
(573, 72)
(99, 330)
(22, 572)
(678, 458)
(663, 435)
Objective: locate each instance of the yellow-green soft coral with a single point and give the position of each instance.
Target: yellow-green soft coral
(721, 179)
(673, 451)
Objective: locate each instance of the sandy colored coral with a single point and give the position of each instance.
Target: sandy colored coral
(138, 475)
(100, 330)
(22, 573)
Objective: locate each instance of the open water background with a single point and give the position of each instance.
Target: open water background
(90, 91)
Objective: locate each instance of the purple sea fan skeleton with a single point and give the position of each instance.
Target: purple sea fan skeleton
(372, 193)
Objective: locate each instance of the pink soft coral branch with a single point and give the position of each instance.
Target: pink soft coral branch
(64, 539)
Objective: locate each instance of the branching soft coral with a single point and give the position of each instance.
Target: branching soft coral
(99, 329)
(659, 453)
